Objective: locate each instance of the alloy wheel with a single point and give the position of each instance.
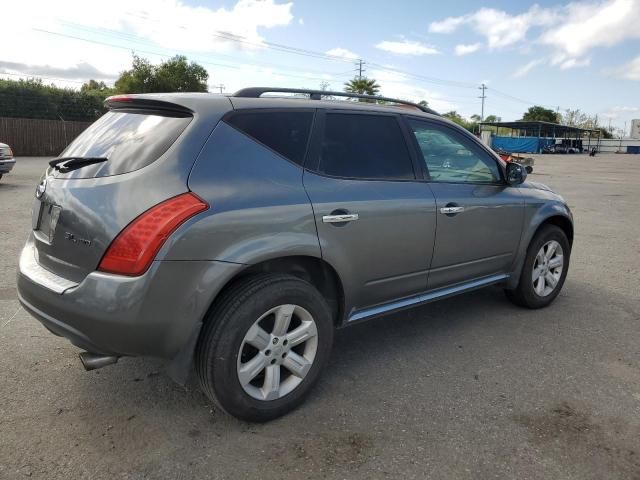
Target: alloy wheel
(277, 352)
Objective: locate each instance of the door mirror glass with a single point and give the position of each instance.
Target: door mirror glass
(516, 174)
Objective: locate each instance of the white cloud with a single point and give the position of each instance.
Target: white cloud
(526, 68)
(499, 27)
(463, 49)
(571, 31)
(141, 25)
(407, 47)
(447, 25)
(342, 52)
(567, 63)
(628, 71)
(301, 21)
(590, 25)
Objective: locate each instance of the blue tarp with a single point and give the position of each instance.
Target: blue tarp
(520, 144)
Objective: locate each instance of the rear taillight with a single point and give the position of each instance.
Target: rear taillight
(133, 250)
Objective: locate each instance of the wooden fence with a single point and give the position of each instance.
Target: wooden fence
(36, 137)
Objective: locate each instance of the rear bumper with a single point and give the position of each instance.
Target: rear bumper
(6, 165)
(155, 314)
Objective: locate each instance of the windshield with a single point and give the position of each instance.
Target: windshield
(129, 140)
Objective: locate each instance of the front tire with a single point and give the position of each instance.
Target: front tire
(263, 346)
(545, 269)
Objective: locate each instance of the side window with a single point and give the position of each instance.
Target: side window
(286, 132)
(452, 158)
(364, 146)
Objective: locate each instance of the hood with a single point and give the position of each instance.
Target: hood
(3, 145)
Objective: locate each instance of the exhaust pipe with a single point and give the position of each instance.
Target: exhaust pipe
(93, 361)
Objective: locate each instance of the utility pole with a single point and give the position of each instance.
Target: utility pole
(360, 68)
(482, 87)
(219, 86)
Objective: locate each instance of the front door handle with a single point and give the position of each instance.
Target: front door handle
(451, 209)
(341, 218)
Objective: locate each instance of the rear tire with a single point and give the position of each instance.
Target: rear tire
(545, 269)
(249, 349)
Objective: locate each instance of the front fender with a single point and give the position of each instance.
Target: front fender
(537, 213)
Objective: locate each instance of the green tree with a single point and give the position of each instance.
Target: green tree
(173, 75)
(538, 113)
(95, 86)
(364, 85)
(34, 99)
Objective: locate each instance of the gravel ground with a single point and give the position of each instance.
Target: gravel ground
(467, 388)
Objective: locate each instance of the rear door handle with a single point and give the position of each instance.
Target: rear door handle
(342, 218)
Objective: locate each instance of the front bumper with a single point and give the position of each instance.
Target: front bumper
(155, 314)
(6, 165)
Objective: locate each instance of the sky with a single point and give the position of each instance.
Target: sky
(557, 54)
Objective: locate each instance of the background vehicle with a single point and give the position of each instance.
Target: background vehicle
(241, 231)
(6, 159)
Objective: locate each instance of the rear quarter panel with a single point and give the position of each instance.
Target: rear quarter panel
(258, 208)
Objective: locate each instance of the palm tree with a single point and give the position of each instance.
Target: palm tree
(363, 85)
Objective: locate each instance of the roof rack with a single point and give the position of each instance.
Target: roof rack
(256, 92)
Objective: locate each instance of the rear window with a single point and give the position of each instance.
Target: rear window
(364, 146)
(130, 140)
(285, 132)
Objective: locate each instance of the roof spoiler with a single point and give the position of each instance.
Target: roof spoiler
(257, 92)
(117, 102)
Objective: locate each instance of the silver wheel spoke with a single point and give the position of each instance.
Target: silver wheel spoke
(301, 334)
(283, 319)
(551, 249)
(550, 280)
(249, 370)
(297, 364)
(257, 337)
(271, 387)
(540, 286)
(537, 272)
(556, 261)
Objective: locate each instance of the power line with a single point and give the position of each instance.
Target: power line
(135, 39)
(149, 52)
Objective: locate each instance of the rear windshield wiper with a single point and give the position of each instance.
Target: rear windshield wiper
(67, 164)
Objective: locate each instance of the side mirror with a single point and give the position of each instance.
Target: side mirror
(516, 174)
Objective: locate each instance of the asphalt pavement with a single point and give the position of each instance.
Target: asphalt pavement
(467, 388)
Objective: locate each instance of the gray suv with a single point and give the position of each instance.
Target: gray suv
(237, 233)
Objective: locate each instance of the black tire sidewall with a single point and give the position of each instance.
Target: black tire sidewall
(225, 347)
(527, 293)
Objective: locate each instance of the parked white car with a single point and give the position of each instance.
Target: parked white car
(6, 159)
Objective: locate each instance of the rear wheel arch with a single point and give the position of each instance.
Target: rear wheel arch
(313, 270)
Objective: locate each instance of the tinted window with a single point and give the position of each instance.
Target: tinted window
(129, 140)
(285, 132)
(450, 157)
(364, 146)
